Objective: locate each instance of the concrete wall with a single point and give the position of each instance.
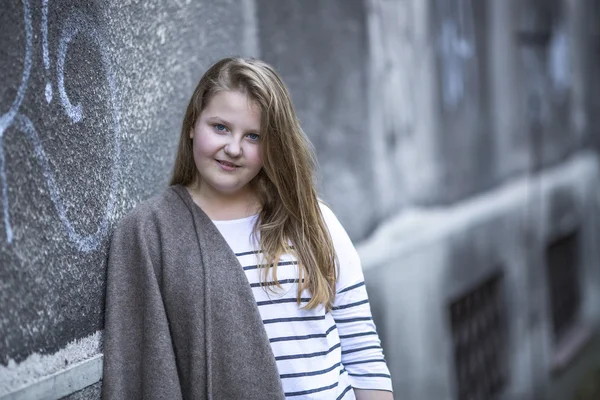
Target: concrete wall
(454, 139)
(497, 149)
(420, 261)
(90, 110)
(319, 48)
(592, 31)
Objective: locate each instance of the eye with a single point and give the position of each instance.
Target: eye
(220, 127)
(253, 136)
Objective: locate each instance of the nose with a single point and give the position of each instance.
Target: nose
(233, 148)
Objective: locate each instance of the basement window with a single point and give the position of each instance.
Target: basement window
(562, 271)
(562, 263)
(479, 334)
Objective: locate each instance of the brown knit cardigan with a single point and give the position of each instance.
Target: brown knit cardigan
(181, 321)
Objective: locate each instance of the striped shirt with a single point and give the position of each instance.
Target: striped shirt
(319, 355)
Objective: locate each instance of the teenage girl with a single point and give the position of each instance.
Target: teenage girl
(236, 282)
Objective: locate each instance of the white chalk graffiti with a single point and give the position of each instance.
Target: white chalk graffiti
(76, 23)
(457, 48)
(45, 52)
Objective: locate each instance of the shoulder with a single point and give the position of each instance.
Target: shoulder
(348, 260)
(328, 216)
(152, 212)
(339, 236)
(331, 221)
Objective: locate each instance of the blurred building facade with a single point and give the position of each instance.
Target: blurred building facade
(457, 141)
(495, 254)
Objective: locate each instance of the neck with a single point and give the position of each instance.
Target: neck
(223, 207)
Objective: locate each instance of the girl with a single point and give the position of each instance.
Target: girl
(236, 282)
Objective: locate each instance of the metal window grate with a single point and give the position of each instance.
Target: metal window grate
(562, 263)
(479, 334)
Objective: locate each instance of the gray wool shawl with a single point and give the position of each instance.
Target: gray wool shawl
(181, 321)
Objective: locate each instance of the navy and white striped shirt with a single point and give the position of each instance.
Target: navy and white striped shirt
(320, 355)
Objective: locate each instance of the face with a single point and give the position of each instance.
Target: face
(226, 147)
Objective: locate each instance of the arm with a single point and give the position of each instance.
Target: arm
(362, 355)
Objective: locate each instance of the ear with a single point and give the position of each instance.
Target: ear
(191, 132)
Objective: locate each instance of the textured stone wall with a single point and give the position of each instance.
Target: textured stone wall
(91, 103)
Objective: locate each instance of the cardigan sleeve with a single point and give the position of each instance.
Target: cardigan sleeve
(362, 354)
(139, 359)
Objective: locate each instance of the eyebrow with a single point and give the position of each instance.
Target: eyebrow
(219, 119)
(225, 122)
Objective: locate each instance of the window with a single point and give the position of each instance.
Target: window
(479, 333)
(562, 264)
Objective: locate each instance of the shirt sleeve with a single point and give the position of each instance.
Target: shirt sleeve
(362, 354)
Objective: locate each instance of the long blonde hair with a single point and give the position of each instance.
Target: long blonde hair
(290, 210)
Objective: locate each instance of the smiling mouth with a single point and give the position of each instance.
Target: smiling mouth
(227, 164)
